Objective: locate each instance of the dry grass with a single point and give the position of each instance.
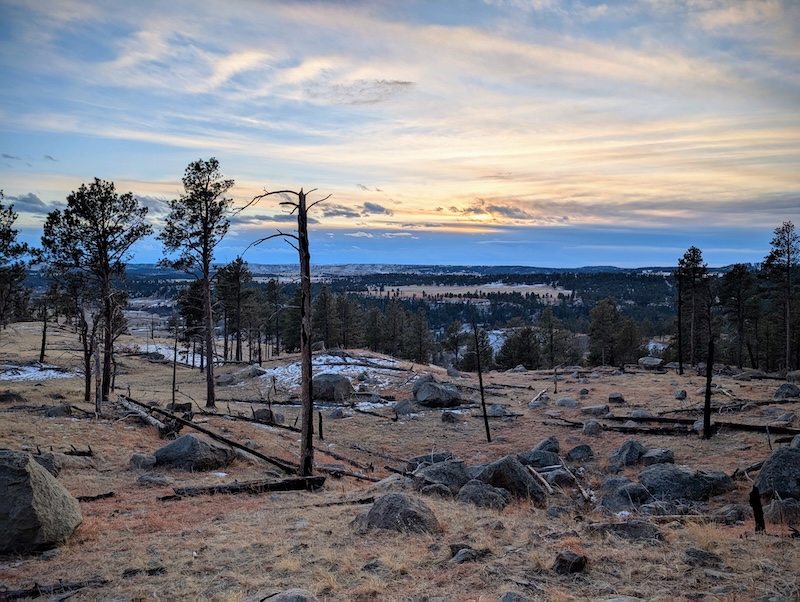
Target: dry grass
(228, 547)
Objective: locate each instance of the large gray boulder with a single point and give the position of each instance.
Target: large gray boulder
(650, 363)
(450, 473)
(484, 495)
(331, 387)
(629, 453)
(194, 452)
(538, 458)
(672, 482)
(510, 474)
(786, 391)
(437, 395)
(398, 512)
(37, 512)
(550, 444)
(780, 474)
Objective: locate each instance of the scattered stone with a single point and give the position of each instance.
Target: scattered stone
(542, 402)
(142, 460)
(225, 379)
(550, 444)
(331, 387)
(629, 453)
(194, 452)
(512, 476)
(592, 428)
(793, 376)
(398, 512)
(450, 418)
(671, 482)
(450, 473)
(484, 495)
(519, 369)
(37, 512)
(600, 410)
(780, 474)
(437, 489)
(453, 373)
(568, 562)
(641, 415)
(731, 514)
(538, 458)
(680, 394)
(658, 456)
(255, 371)
(580, 453)
(617, 398)
(584, 391)
(11, 397)
(567, 402)
(155, 480)
(659, 508)
(465, 554)
(650, 363)
(337, 414)
(742, 376)
(59, 411)
(696, 556)
(268, 416)
(635, 530)
(404, 408)
(786, 391)
(560, 477)
(497, 411)
(557, 511)
(514, 597)
(628, 496)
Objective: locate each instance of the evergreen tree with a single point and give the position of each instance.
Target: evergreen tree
(12, 268)
(419, 343)
(738, 294)
(781, 263)
(325, 324)
(469, 363)
(520, 347)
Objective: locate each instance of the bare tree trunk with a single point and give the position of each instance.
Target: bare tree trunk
(709, 375)
(480, 380)
(307, 426)
(175, 362)
(209, 341)
(108, 339)
(44, 334)
(99, 381)
(680, 322)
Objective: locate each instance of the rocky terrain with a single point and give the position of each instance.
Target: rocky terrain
(595, 486)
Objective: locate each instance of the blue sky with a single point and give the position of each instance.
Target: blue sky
(498, 132)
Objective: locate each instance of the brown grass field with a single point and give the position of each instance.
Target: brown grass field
(227, 547)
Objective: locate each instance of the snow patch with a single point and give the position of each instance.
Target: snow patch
(36, 372)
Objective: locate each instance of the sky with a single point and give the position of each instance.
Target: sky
(552, 133)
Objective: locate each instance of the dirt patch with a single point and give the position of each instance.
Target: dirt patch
(229, 547)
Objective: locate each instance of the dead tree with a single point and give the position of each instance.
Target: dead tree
(301, 207)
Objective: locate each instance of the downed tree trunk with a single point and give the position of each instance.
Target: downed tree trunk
(92, 498)
(43, 590)
(282, 464)
(346, 473)
(144, 415)
(293, 484)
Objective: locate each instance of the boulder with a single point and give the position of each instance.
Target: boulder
(519, 368)
(635, 529)
(514, 597)
(560, 477)
(793, 376)
(142, 461)
(37, 512)
(450, 473)
(336, 414)
(550, 444)
(567, 402)
(331, 387)
(50, 461)
(650, 363)
(680, 394)
(780, 474)
(59, 411)
(450, 418)
(398, 512)
(437, 395)
(658, 456)
(268, 416)
(626, 496)
(580, 453)
(403, 408)
(511, 475)
(672, 482)
(255, 371)
(538, 458)
(617, 398)
(194, 452)
(592, 427)
(641, 415)
(496, 411)
(786, 391)
(483, 495)
(425, 378)
(783, 512)
(12, 397)
(225, 379)
(629, 453)
(568, 561)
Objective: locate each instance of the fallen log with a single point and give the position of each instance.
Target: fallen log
(282, 464)
(43, 590)
(129, 405)
(293, 484)
(346, 473)
(541, 480)
(92, 498)
(79, 452)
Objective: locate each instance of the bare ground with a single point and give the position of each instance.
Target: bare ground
(229, 547)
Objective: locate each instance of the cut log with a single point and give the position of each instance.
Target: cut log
(92, 498)
(293, 484)
(143, 414)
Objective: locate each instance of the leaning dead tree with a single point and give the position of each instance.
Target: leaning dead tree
(300, 244)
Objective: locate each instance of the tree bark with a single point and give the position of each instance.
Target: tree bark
(209, 337)
(307, 436)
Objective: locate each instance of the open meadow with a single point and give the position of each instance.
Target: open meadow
(145, 543)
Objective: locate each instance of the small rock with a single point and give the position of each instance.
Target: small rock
(641, 415)
(584, 391)
(658, 456)
(550, 444)
(404, 408)
(579, 453)
(680, 394)
(154, 480)
(567, 402)
(696, 556)
(592, 427)
(59, 411)
(786, 391)
(496, 411)
(617, 398)
(600, 410)
(336, 414)
(142, 461)
(568, 562)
